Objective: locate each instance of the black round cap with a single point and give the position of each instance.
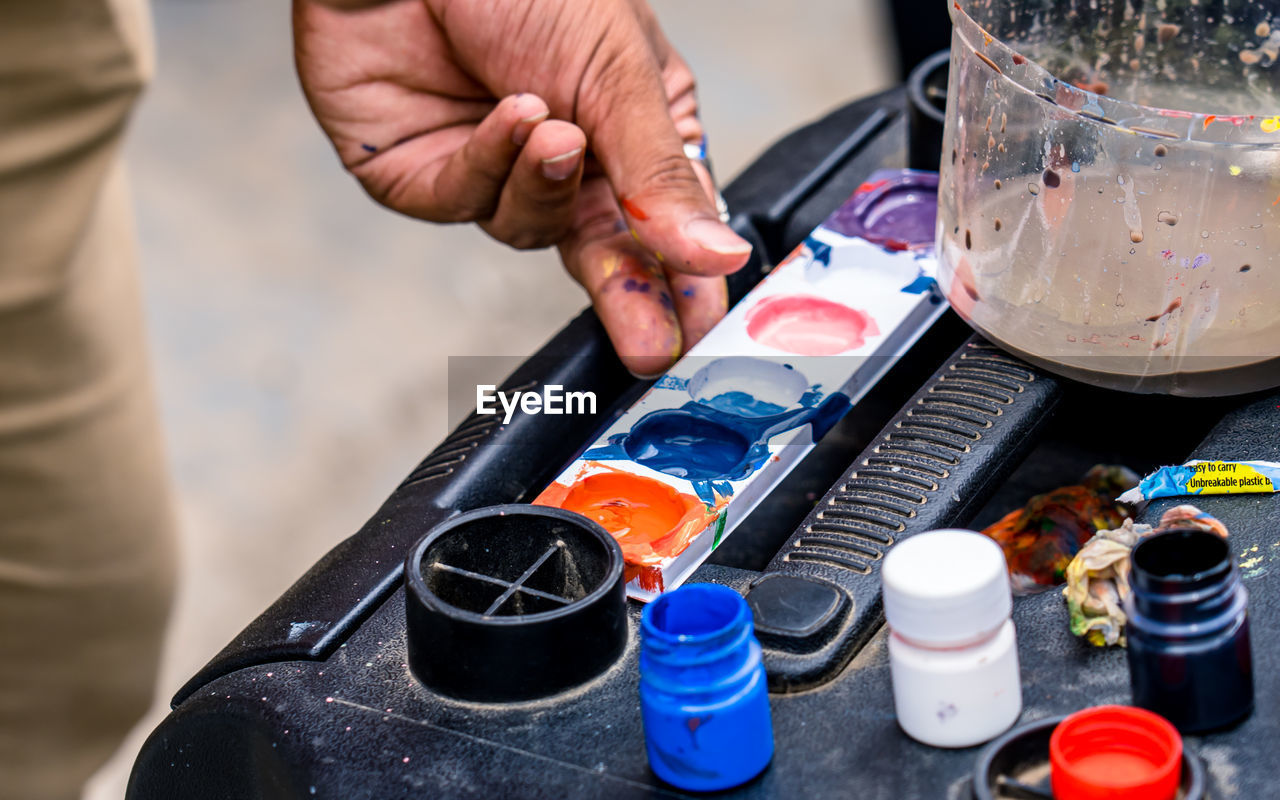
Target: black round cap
(514, 602)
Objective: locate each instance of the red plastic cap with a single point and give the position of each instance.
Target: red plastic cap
(1114, 752)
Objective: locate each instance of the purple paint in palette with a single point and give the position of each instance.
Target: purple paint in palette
(731, 418)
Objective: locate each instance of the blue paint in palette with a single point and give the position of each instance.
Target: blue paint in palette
(923, 283)
(820, 249)
(744, 405)
(689, 445)
(710, 446)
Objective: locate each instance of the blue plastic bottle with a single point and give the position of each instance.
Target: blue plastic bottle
(703, 695)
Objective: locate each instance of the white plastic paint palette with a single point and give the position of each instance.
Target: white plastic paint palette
(675, 474)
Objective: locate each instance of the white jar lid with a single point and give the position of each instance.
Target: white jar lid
(946, 587)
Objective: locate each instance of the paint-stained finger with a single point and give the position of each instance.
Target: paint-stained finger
(627, 287)
(536, 206)
(633, 300)
(701, 301)
(624, 110)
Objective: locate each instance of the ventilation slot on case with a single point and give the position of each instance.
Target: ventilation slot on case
(458, 445)
(856, 523)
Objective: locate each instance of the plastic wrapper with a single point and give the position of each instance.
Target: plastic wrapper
(1207, 477)
(1098, 576)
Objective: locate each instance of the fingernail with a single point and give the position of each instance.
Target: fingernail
(524, 128)
(646, 377)
(558, 168)
(716, 237)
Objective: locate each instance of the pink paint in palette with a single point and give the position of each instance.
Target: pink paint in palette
(675, 474)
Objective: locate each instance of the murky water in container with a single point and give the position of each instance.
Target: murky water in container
(1110, 192)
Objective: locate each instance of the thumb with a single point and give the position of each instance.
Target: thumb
(623, 109)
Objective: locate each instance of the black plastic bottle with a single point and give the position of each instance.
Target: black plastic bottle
(1188, 630)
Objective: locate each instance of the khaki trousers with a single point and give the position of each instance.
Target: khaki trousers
(86, 532)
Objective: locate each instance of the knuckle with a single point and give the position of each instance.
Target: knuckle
(670, 171)
(614, 73)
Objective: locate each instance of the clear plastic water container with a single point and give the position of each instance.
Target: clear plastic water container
(1109, 205)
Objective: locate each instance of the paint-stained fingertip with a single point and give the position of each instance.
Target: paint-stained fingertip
(646, 368)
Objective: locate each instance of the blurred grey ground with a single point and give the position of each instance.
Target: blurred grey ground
(302, 334)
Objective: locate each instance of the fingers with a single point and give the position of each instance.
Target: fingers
(456, 174)
(701, 301)
(623, 107)
(627, 286)
(633, 300)
(536, 205)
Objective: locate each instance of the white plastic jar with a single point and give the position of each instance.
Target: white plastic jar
(952, 651)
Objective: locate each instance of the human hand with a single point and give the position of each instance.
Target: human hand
(548, 122)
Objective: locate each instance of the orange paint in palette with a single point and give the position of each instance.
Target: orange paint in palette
(650, 519)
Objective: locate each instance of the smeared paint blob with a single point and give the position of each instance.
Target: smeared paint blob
(1200, 261)
(633, 285)
(962, 292)
(809, 326)
(650, 519)
(1173, 306)
(635, 211)
(1051, 179)
(1168, 254)
(989, 63)
(368, 148)
(1208, 120)
(687, 292)
(1096, 86)
(610, 265)
(1270, 124)
(1235, 170)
